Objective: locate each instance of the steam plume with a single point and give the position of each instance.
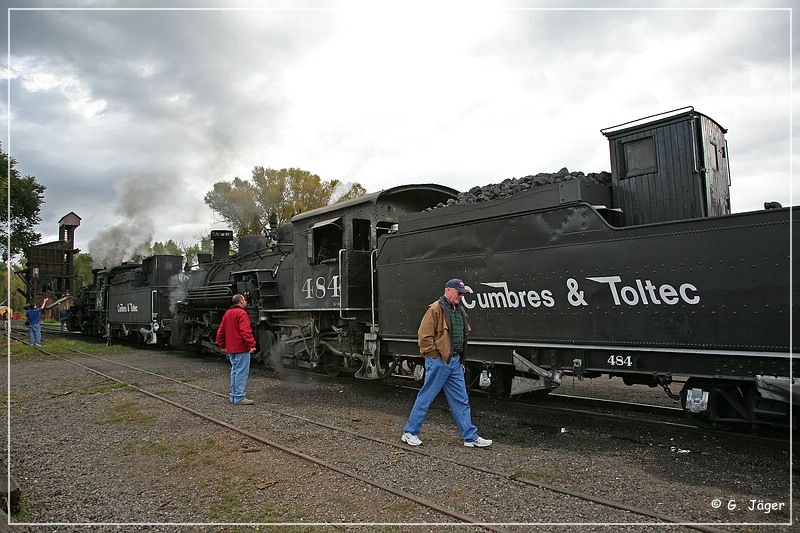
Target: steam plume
(137, 197)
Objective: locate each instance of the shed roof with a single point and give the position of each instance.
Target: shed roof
(676, 115)
(70, 219)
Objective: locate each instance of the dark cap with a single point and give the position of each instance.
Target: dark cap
(458, 285)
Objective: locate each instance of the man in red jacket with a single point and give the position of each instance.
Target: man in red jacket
(236, 337)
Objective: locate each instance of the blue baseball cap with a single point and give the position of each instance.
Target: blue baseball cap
(458, 285)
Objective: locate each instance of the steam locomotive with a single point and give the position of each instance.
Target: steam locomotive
(129, 302)
(648, 277)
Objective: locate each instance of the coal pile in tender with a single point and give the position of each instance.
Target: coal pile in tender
(512, 186)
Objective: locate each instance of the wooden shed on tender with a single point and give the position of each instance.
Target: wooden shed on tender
(654, 181)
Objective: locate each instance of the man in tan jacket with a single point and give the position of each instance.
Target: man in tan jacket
(442, 339)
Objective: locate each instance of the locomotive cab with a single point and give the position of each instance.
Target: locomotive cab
(333, 247)
(334, 292)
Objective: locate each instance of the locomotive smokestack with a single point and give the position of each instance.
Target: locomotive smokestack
(222, 243)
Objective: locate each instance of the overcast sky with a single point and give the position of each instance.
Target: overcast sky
(129, 116)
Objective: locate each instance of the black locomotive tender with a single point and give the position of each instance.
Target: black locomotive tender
(128, 301)
(650, 278)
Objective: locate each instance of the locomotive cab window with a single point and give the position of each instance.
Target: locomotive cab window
(325, 241)
(640, 157)
(361, 228)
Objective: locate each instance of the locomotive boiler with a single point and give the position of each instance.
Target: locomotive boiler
(647, 276)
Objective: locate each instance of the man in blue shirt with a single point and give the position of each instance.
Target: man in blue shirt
(35, 329)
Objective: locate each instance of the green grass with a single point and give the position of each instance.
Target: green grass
(153, 447)
(193, 451)
(27, 508)
(228, 508)
(190, 453)
(129, 413)
(21, 353)
(102, 388)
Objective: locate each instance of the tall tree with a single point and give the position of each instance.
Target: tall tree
(14, 298)
(167, 248)
(235, 203)
(204, 246)
(83, 265)
(246, 205)
(188, 251)
(26, 197)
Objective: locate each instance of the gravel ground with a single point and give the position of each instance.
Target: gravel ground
(89, 454)
(614, 389)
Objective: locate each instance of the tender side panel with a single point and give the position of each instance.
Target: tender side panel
(130, 306)
(563, 278)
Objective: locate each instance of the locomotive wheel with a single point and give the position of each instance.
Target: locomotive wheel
(175, 333)
(179, 335)
(266, 345)
(726, 401)
(501, 383)
(330, 366)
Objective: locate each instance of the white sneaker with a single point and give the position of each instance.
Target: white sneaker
(411, 440)
(478, 443)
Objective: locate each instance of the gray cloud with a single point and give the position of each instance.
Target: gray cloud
(129, 117)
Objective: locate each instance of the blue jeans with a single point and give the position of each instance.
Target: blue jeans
(36, 333)
(240, 369)
(449, 377)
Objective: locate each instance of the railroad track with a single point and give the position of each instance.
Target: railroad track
(622, 412)
(573, 405)
(49, 331)
(582, 406)
(520, 482)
